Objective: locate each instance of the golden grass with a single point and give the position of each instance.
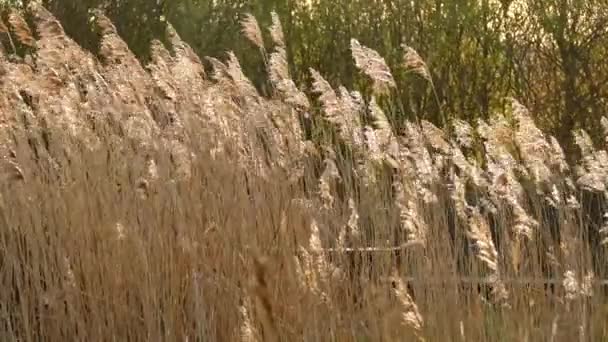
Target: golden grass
(150, 203)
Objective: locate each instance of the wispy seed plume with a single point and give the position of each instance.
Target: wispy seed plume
(374, 66)
(251, 30)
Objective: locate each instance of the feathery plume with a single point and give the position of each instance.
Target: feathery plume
(593, 173)
(330, 173)
(220, 70)
(471, 171)
(104, 24)
(414, 63)
(382, 126)
(523, 224)
(458, 195)
(68, 275)
(534, 148)
(595, 176)
(420, 158)
(278, 70)
(325, 194)
(326, 270)
(121, 231)
(251, 30)
(576, 289)
(352, 106)
(314, 243)
(558, 157)
(307, 278)
(328, 98)
(352, 226)
(306, 272)
(352, 103)
(238, 77)
(278, 67)
(478, 232)
(435, 137)
(276, 30)
(499, 291)
(584, 142)
(411, 317)
(353, 220)
(374, 66)
(248, 331)
(463, 133)
(372, 145)
(593, 170)
(410, 218)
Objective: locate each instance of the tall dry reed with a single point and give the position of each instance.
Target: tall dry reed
(158, 203)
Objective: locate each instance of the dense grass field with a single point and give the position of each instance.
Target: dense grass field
(173, 202)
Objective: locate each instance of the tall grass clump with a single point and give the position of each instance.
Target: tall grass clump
(171, 201)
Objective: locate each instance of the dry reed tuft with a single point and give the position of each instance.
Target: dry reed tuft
(251, 30)
(373, 65)
(243, 84)
(276, 30)
(415, 64)
(412, 318)
(278, 70)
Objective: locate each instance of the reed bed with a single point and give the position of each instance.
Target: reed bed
(173, 202)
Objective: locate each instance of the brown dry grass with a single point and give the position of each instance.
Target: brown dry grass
(150, 203)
